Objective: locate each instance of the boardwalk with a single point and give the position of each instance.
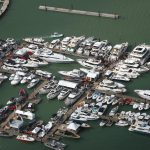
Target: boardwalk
(4, 6)
(79, 12)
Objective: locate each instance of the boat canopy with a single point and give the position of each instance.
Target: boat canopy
(68, 84)
(27, 115)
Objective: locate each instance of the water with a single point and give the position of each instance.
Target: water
(23, 19)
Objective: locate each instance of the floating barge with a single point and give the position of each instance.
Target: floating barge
(79, 12)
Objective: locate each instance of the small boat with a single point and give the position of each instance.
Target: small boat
(54, 93)
(95, 95)
(63, 94)
(25, 138)
(141, 106)
(55, 145)
(113, 111)
(33, 83)
(135, 105)
(122, 123)
(147, 106)
(102, 110)
(103, 123)
(24, 80)
(56, 35)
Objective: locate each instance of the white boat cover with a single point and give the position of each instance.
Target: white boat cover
(68, 84)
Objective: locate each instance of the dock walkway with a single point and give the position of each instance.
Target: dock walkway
(79, 12)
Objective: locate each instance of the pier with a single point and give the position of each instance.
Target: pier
(79, 12)
(4, 6)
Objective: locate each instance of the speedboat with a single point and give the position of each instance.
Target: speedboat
(53, 93)
(141, 106)
(33, 82)
(102, 110)
(45, 74)
(75, 73)
(122, 123)
(25, 138)
(73, 97)
(113, 111)
(143, 93)
(54, 43)
(63, 94)
(90, 63)
(95, 95)
(24, 80)
(135, 105)
(147, 106)
(16, 80)
(56, 35)
(46, 88)
(102, 123)
(3, 77)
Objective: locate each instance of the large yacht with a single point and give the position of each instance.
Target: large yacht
(90, 63)
(141, 53)
(117, 51)
(73, 97)
(75, 73)
(109, 85)
(49, 56)
(143, 93)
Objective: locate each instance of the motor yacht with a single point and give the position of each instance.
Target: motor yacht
(74, 96)
(119, 77)
(118, 51)
(141, 53)
(33, 83)
(145, 94)
(90, 63)
(109, 85)
(16, 80)
(25, 138)
(54, 43)
(75, 73)
(113, 111)
(63, 94)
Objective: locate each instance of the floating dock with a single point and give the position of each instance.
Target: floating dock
(79, 12)
(4, 6)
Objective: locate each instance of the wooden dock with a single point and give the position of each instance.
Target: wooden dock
(79, 12)
(4, 6)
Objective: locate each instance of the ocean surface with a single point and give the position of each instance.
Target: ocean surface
(23, 19)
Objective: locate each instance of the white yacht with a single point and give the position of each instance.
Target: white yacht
(54, 43)
(75, 73)
(141, 127)
(122, 123)
(30, 64)
(141, 53)
(102, 110)
(33, 82)
(73, 97)
(90, 63)
(117, 51)
(53, 93)
(119, 77)
(63, 94)
(3, 77)
(113, 111)
(145, 94)
(109, 85)
(42, 73)
(55, 57)
(16, 80)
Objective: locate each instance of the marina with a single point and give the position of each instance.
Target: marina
(42, 102)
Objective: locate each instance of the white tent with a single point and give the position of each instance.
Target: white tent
(27, 115)
(68, 84)
(73, 126)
